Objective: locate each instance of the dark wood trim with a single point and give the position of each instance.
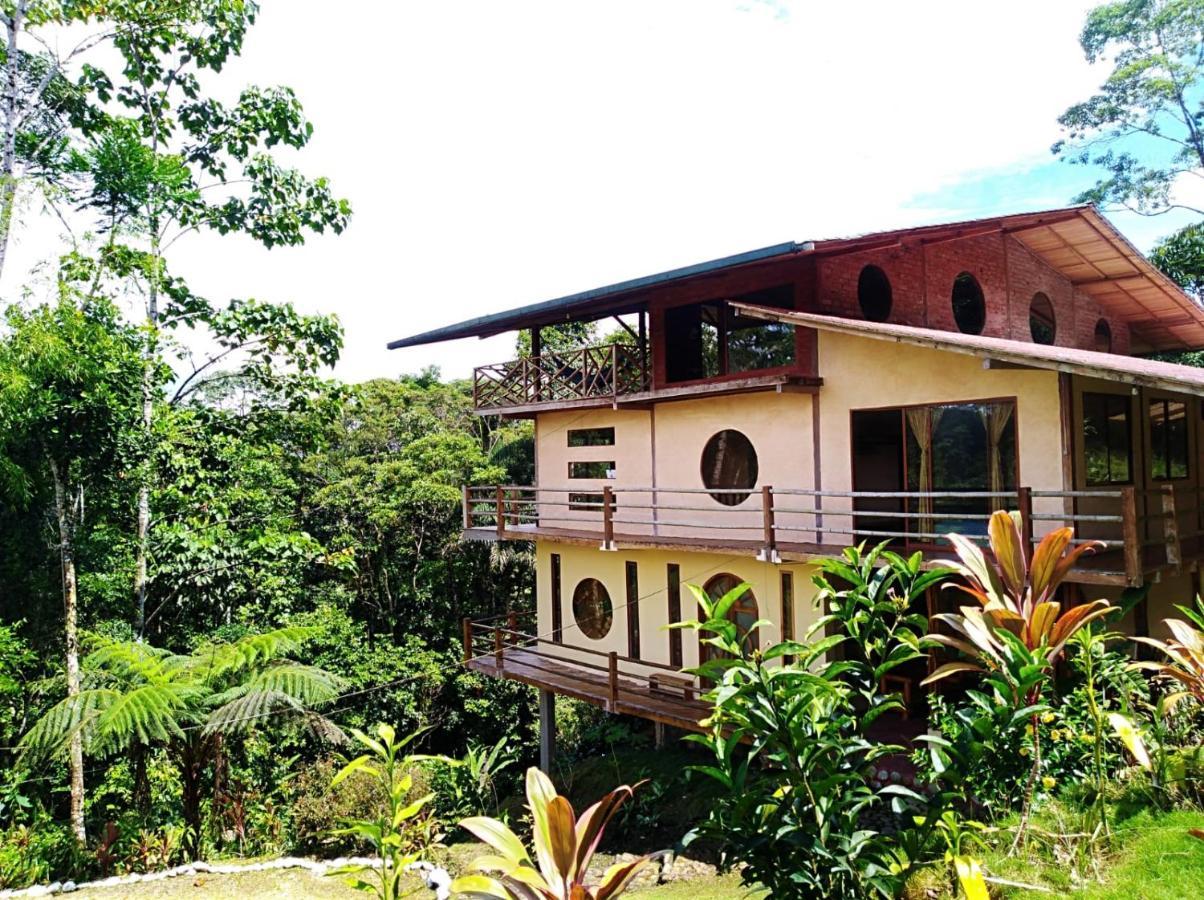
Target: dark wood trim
(787, 611)
(673, 592)
(557, 600)
(631, 571)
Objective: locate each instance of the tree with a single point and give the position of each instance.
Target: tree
(1145, 126)
(180, 162)
(138, 696)
(70, 377)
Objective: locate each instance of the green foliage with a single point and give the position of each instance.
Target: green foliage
(475, 784)
(791, 751)
(400, 831)
(564, 846)
(1143, 125)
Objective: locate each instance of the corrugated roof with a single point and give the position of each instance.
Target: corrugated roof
(563, 309)
(1110, 366)
(1077, 241)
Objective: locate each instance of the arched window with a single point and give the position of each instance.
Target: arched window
(743, 612)
(969, 307)
(874, 294)
(1103, 337)
(729, 464)
(592, 609)
(1041, 321)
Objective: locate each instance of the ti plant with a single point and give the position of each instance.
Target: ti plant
(564, 847)
(1017, 633)
(400, 832)
(1185, 650)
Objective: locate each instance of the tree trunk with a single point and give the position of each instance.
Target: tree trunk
(65, 516)
(194, 752)
(15, 21)
(142, 536)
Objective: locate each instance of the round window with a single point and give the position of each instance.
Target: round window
(1041, 321)
(1103, 337)
(729, 465)
(744, 611)
(969, 307)
(874, 294)
(592, 608)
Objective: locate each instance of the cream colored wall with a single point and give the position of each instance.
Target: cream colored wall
(863, 373)
(578, 563)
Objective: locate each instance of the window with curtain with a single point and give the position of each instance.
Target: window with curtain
(1168, 439)
(1107, 439)
(960, 447)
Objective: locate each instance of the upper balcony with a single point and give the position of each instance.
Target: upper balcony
(1142, 533)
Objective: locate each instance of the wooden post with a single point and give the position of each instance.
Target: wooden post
(536, 353)
(499, 496)
(467, 507)
(643, 339)
(608, 525)
(770, 553)
(512, 628)
(614, 373)
(498, 645)
(1024, 502)
(1170, 529)
(1132, 549)
(547, 731)
(613, 680)
(466, 625)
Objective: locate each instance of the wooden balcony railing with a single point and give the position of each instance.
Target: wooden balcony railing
(1141, 531)
(509, 646)
(589, 373)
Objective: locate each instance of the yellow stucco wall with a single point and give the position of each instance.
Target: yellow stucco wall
(578, 563)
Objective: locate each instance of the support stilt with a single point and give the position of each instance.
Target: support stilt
(547, 731)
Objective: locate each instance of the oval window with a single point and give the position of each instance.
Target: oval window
(874, 294)
(592, 609)
(744, 613)
(729, 466)
(1103, 337)
(1041, 322)
(969, 307)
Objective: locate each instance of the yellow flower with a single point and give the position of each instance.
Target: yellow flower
(1086, 738)
(1024, 751)
(1048, 782)
(1028, 729)
(1055, 735)
(1047, 718)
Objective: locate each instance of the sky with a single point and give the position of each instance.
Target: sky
(497, 154)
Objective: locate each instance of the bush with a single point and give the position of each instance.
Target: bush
(315, 805)
(35, 853)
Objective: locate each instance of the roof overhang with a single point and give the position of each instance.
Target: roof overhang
(1131, 370)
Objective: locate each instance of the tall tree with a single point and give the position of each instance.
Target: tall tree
(180, 161)
(1145, 125)
(70, 379)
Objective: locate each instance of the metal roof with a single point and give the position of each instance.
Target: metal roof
(603, 301)
(1091, 363)
(1077, 241)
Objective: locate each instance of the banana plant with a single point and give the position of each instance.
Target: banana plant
(1185, 650)
(563, 848)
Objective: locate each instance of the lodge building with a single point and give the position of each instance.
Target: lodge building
(757, 412)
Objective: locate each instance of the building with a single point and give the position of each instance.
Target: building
(770, 408)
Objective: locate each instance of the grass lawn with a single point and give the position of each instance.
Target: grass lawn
(1154, 858)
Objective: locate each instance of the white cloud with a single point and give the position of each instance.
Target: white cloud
(503, 153)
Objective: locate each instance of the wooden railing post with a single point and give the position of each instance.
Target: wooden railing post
(512, 628)
(498, 646)
(1170, 529)
(770, 551)
(466, 625)
(614, 372)
(608, 525)
(1024, 504)
(464, 498)
(499, 496)
(1132, 539)
(613, 681)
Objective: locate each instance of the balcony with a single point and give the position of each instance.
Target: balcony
(588, 376)
(1143, 532)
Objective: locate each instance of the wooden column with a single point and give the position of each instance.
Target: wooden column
(608, 510)
(466, 626)
(770, 551)
(613, 682)
(535, 370)
(547, 731)
(499, 496)
(1024, 503)
(467, 507)
(1132, 538)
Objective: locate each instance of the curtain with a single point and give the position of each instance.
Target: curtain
(995, 418)
(923, 421)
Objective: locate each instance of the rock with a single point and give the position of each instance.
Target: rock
(68, 887)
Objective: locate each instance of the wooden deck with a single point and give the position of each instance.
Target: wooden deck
(633, 697)
(1106, 567)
